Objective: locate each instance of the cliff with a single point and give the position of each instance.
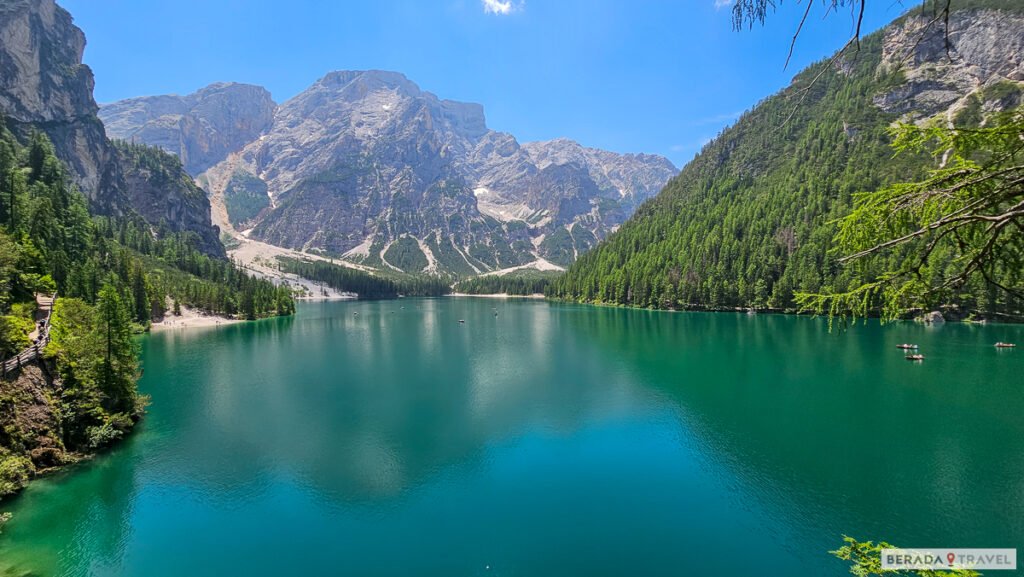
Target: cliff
(44, 86)
(200, 128)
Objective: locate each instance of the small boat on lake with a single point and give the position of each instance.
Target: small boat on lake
(462, 321)
(915, 357)
(1002, 345)
(907, 347)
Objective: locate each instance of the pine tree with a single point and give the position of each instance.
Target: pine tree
(118, 364)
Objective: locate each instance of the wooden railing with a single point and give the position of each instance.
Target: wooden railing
(36, 350)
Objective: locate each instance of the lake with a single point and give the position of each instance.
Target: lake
(387, 438)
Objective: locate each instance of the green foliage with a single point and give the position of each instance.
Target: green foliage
(245, 197)
(173, 266)
(559, 246)
(118, 359)
(58, 246)
(957, 234)
(97, 362)
(112, 275)
(162, 168)
(14, 334)
(405, 254)
(866, 559)
(524, 282)
(15, 471)
(750, 221)
(366, 285)
(112, 429)
(61, 247)
(448, 257)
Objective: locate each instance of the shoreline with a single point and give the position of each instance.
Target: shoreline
(333, 297)
(189, 319)
(497, 296)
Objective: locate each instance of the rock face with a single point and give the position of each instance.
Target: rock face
(366, 165)
(201, 128)
(44, 86)
(31, 426)
(158, 188)
(985, 50)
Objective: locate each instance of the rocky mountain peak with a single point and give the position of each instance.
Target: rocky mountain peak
(360, 82)
(368, 166)
(201, 128)
(374, 98)
(634, 176)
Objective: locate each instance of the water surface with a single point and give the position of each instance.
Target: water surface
(547, 440)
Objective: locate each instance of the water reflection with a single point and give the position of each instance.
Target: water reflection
(838, 430)
(551, 439)
(389, 408)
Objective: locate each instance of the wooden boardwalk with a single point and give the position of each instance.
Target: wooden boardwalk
(40, 336)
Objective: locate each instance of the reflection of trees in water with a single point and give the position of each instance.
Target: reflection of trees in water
(370, 406)
(837, 429)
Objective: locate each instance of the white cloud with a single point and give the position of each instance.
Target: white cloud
(504, 7)
(719, 4)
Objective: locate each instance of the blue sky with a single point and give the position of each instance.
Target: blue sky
(659, 76)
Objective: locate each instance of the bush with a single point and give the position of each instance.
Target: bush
(103, 435)
(14, 331)
(14, 473)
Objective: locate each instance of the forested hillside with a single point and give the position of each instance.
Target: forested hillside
(521, 282)
(751, 219)
(112, 277)
(378, 285)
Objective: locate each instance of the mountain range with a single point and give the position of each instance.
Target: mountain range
(366, 166)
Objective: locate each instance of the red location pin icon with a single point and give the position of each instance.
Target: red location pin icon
(950, 557)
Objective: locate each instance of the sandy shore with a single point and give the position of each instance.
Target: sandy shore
(190, 318)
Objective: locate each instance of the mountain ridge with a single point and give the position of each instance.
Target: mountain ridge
(362, 160)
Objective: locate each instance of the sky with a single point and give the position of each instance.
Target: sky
(655, 76)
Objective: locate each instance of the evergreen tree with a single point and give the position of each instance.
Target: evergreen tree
(119, 362)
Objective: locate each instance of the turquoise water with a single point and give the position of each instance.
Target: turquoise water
(548, 440)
